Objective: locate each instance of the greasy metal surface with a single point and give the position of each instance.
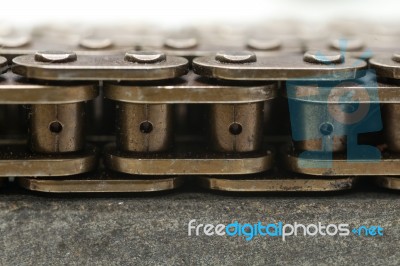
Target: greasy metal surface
(388, 165)
(385, 66)
(190, 88)
(56, 128)
(100, 182)
(187, 162)
(104, 67)
(147, 86)
(276, 184)
(16, 161)
(144, 127)
(388, 182)
(278, 68)
(236, 127)
(17, 90)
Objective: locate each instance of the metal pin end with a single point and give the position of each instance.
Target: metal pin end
(14, 41)
(264, 43)
(181, 43)
(396, 57)
(326, 57)
(239, 57)
(326, 128)
(55, 56)
(95, 43)
(145, 57)
(347, 44)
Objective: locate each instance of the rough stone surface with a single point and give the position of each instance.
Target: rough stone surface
(128, 229)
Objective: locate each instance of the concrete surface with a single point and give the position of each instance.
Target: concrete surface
(142, 230)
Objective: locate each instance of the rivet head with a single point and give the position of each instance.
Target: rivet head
(264, 43)
(145, 57)
(396, 57)
(326, 57)
(55, 56)
(14, 41)
(181, 43)
(239, 57)
(95, 43)
(347, 44)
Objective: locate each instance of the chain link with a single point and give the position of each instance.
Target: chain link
(253, 109)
